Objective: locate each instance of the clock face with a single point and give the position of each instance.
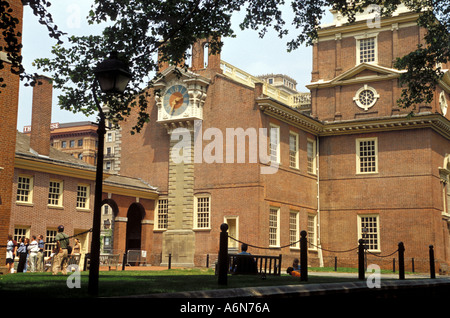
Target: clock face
(176, 100)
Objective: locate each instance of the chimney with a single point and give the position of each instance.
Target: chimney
(203, 59)
(41, 115)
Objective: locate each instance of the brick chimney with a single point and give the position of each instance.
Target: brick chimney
(41, 115)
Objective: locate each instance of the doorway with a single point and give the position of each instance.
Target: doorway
(233, 231)
(135, 215)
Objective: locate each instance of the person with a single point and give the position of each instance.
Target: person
(40, 254)
(292, 272)
(33, 249)
(77, 247)
(10, 249)
(244, 249)
(244, 265)
(61, 253)
(22, 253)
(296, 265)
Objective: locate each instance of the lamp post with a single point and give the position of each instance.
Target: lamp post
(112, 76)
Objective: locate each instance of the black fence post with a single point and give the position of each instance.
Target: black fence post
(124, 261)
(303, 257)
(432, 269)
(170, 261)
(207, 260)
(401, 260)
(361, 259)
(223, 255)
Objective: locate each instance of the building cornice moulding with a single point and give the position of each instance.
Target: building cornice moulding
(437, 122)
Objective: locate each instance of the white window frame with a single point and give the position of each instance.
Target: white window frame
(359, 155)
(162, 213)
(50, 242)
(29, 191)
(373, 231)
(312, 231)
(366, 36)
(311, 160)
(293, 153)
(274, 227)
(20, 232)
(86, 197)
(60, 193)
(358, 101)
(274, 143)
(198, 223)
(294, 229)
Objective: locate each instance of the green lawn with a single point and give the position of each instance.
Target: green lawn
(124, 283)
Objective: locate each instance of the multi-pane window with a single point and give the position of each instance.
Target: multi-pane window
(312, 231)
(19, 233)
(162, 213)
(293, 229)
(367, 50)
(55, 193)
(311, 155)
(368, 228)
(366, 155)
(293, 150)
(274, 233)
(50, 243)
(24, 189)
(274, 143)
(83, 196)
(203, 209)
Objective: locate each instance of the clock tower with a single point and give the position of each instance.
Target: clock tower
(180, 99)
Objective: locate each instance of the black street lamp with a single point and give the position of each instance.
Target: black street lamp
(112, 76)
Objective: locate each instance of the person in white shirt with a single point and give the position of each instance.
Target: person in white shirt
(10, 247)
(33, 248)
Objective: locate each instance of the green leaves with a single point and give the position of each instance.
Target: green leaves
(143, 30)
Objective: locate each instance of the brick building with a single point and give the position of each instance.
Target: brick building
(51, 187)
(9, 99)
(347, 162)
(80, 139)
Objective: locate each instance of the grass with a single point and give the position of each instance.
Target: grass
(128, 283)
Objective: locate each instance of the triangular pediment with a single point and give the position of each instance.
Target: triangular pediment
(363, 72)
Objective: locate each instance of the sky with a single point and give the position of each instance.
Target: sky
(246, 51)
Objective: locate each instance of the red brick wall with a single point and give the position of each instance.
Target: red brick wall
(333, 57)
(9, 98)
(38, 217)
(406, 193)
(41, 116)
(236, 189)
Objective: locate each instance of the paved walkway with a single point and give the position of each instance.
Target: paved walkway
(390, 285)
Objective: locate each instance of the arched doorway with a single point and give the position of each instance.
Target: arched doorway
(135, 216)
(109, 212)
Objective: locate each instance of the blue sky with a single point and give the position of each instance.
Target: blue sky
(247, 51)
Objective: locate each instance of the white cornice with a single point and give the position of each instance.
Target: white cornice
(291, 116)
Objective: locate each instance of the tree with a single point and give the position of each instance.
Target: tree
(142, 29)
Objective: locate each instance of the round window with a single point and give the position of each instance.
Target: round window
(366, 97)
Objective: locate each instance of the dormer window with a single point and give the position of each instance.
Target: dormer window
(366, 49)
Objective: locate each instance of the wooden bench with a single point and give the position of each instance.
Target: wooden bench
(110, 260)
(254, 264)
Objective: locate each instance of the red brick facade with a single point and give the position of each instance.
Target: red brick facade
(9, 99)
(405, 195)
